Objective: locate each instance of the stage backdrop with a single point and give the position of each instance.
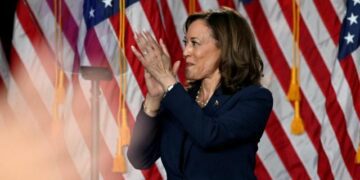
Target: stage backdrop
(45, 114)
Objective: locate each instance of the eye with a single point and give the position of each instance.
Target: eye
(194, 43)
(185, 42)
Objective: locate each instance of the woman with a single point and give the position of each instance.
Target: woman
(211, 130)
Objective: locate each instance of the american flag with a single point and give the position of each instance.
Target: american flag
(328, 77)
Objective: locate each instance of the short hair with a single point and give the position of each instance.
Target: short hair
(240, 63)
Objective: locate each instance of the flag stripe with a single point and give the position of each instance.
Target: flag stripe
(260, 170)
(329, 87)
(285, 150)
(269, 156)
(173, 41)
(336, 114)
(337, 75)
(39, 109)
(106, 157)
(309, 85)
(270, 45)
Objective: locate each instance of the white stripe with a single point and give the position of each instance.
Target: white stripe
(74, 138)
(137, 20)
(33, 66)
(15, 99)
(161, 168)
(271, 160)
(179, 15)
(282, 107)
(308, 83)
(45, 18)
(339, 83)
(340, 8)
(46, 21)
(76, 9)
(45, 89)
(208, 4)
(108, 41)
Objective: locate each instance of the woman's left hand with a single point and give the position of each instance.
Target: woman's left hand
(155, 59)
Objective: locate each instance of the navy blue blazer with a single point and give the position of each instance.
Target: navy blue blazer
(218, 141)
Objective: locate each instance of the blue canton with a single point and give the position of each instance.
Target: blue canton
(95, 11)
(350, 30)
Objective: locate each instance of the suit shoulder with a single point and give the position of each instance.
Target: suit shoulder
(254, 90)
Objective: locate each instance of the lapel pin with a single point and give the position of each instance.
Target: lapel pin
(216, 104)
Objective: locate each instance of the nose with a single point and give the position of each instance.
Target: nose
(187, 51)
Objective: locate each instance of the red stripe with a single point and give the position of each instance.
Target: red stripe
(278, 63)
(33, 31)
(134, 64)
(333, 26)
(323, 78)
(313, 129)
(260, 170)
(173, 41)
(96, 59)
(111, 89)
(43, 117)
(330, 19)
(283, 147)
(152, 173)
(71, 31)
(36, 37)
(153, 15)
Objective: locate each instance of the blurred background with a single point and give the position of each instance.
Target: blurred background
(312, 62)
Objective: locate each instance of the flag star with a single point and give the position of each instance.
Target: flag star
(356, 2)
(352, 19)
(92, 13)
(349, 38)
(107, 3)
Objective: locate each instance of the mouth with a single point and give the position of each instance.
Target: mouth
(189, 64)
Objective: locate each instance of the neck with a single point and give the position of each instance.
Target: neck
(209, 85)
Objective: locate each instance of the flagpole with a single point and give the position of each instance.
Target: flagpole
(95, 74)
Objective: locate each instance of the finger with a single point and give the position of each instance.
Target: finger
(163, 47)
(176, 67)
(141, 42)
(137, 54)
(151, 40)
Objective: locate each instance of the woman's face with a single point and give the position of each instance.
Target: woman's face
(201, 53)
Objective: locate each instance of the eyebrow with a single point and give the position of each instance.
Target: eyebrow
(192, 38)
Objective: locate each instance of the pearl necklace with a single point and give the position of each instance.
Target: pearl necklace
(197, 99)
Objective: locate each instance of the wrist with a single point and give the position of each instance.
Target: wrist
(151, 105)
(168, 82)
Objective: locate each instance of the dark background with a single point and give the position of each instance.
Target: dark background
(7, 12)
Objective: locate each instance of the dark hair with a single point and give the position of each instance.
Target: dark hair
(240, 63)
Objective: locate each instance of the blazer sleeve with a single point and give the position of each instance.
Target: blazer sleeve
(243, 122)
(144, 148)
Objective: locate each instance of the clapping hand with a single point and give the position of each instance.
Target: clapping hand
(156, 60)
